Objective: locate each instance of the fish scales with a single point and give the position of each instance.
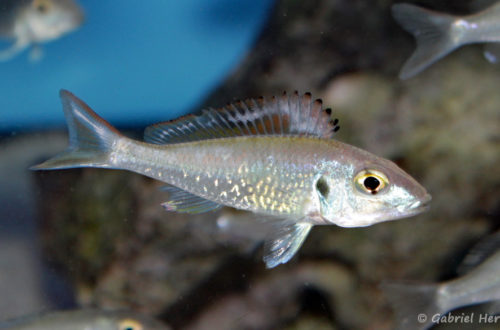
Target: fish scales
(235, 171)
(275, 157)
(483, 26)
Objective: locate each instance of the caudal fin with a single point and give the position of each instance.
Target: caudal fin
(433, 33)
(90, 137)
(414, 305)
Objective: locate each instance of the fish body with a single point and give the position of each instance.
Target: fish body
(32, 22)
(236, 172)
(85, 320)
(438, 34)
(275, 158)
(479, 285)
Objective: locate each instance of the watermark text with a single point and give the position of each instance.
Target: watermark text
(481, 318)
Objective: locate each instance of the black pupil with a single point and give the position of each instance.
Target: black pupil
(371, 183)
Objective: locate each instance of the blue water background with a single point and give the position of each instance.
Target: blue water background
(133, 62)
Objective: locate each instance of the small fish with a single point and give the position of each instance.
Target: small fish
(479, 285)
(274, 157)
(438, 34)
(32, 22)
(85, 320)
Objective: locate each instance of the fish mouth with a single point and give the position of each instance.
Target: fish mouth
(424, 204)
(404, 211)
(416, 207)
(413, 209)
(417, 210)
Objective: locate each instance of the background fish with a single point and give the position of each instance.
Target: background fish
(273, 157)
(478, 285)
(241, 229)
(86, 320)
(438, 34)
(32, 22)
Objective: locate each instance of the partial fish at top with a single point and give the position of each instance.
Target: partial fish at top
(32, 22)
(438, 34)
(274, 157)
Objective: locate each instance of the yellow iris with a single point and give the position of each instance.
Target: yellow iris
(371, 181)
(42, 5)
(130, 324)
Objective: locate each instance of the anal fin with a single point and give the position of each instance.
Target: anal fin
(185, 202)
(282, 245)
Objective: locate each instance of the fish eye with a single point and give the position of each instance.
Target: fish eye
(130, 324)
(42, 6)
(371, 181)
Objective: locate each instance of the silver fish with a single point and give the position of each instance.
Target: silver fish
(32, 22)
(85, 320)
(479, 285)
(273, 157)
(438, 34)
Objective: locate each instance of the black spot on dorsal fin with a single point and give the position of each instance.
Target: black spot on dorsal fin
(282, 115)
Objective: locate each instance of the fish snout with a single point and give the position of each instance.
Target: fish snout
(422, 204)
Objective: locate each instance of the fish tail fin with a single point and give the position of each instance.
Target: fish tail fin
(433, 32)
(91, 138)
(413, 304)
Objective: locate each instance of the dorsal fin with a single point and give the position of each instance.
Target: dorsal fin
(284, 115)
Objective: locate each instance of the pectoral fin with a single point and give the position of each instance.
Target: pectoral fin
(10, 52)
(282, 245)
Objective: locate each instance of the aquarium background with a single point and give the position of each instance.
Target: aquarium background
(96, 238)
(171, 54)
